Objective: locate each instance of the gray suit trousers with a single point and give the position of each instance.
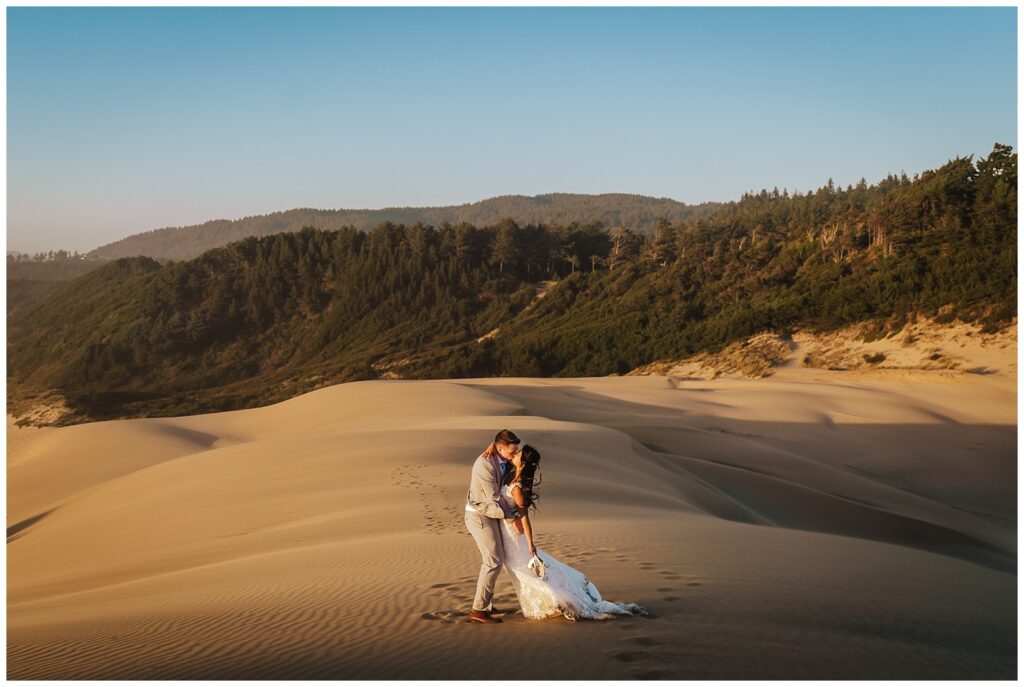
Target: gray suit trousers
(488, 539)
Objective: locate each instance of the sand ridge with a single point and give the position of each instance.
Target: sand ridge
(813, 524)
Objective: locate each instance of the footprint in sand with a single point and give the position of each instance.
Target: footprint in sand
(639, 658)
(438, 519)
(671, 598)
(632, 656)
(458, 592)
(445, 617)
(666, 589)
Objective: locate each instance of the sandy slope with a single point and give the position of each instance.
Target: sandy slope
(814, 524)
(920, 345)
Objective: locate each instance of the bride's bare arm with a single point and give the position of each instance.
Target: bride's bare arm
(517, 494)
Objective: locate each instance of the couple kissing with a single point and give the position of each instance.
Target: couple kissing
(502, 493)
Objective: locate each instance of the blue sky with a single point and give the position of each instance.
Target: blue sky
(122, 120)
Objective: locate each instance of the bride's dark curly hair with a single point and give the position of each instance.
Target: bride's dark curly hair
(529, 476)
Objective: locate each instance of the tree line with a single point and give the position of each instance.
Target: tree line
(265, 318)
(612, 209)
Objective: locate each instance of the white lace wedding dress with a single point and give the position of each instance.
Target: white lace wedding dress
(563, 590)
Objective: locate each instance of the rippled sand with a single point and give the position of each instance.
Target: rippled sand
(811, 525)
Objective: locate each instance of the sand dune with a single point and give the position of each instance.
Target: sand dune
(815, 524)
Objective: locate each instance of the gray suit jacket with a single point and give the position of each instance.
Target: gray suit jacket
(485, 490)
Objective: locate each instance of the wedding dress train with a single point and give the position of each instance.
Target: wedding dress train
(562, 591)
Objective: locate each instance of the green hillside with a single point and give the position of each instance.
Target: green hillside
(264, 319)
(611, 209)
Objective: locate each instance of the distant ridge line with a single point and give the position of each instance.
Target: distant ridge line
(635, 211)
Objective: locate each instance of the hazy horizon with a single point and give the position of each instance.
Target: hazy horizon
(124, 120)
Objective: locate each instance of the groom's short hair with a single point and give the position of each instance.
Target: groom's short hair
(506, 436)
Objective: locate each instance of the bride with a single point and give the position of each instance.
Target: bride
(545, 586)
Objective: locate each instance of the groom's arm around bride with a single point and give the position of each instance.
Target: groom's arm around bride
(484, 490)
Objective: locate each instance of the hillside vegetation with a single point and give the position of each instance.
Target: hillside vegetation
(32, 277)
(264, 319)
(611, 210)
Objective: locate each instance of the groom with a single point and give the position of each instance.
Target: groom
(484, 508)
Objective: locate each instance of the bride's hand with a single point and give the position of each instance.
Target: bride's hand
(518, 524)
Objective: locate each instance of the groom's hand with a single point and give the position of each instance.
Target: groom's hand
(518, 524)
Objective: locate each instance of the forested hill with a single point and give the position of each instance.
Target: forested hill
(264, 319)
(612, 210)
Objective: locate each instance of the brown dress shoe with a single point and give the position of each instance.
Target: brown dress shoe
(481, 617)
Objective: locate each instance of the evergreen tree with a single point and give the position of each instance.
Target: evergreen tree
(507, 248)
